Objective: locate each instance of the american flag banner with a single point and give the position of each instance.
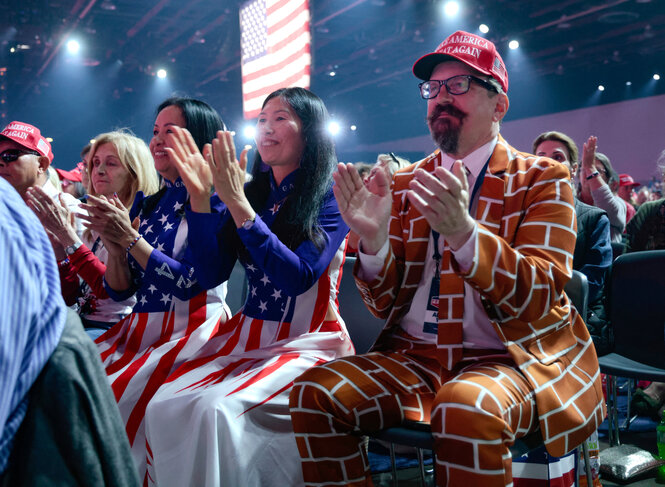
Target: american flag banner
(275, 49)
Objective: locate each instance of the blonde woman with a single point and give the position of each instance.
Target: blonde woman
(118, 164)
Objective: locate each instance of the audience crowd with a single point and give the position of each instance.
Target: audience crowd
(465, 254)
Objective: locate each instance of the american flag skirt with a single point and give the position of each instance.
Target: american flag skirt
(140, 351)
(223, 418)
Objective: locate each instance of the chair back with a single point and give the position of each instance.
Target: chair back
(363, 326)
(236, 288)
(636, 306)
(577, 290)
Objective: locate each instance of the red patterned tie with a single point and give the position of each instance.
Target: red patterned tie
(451, 313)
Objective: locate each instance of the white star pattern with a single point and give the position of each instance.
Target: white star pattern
(177, 206)
(165, 298)
(152, 288)
(163, 218)
(143, 300)
(148, 230)
(263, 306)
(168, 226)
(265, 280)
(275, 208)
(250, 267)
(277, 294)
(160, 247)
(253, 291)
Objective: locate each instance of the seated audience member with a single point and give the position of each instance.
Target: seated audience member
(60, 424)
(149, 258)
(71, 182)
(231, 400)
(598, 185)
(626, 192)
(25, 158)
(392, 163)
(462, 260)
(120, 164)
(593, 251)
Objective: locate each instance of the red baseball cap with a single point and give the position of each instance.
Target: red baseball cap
(474, 51)
(29, 137)
(627, 180)
(73, 175)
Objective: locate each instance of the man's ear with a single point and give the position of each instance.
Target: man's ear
(501, 107)
(44, 163)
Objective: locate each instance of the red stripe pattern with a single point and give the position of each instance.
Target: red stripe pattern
(275, 45)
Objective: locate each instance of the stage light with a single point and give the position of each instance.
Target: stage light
(332, 74)
(49, 139)
(629, 83)
(333, 128)
(249, 131)
(451, 9)
(513, 44)
(353, 128)
(656, 76)
(601, 88)
(161, 73)
(73, 46)
(483, 28)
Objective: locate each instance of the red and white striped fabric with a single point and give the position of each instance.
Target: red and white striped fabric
(140, 352)
(539, 469)
(275, 49)
(223, 418)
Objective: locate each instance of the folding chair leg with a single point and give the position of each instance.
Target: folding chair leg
(421, 465)
(612, 416)
(587, 463)
(393, 464)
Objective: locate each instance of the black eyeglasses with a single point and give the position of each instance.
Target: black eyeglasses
(457, 85)
(10, 155)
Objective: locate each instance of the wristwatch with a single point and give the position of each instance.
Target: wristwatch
(248, 223)
(70, 249)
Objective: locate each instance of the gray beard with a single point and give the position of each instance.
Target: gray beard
(447, 139)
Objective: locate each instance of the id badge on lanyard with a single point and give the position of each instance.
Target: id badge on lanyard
(431, 323)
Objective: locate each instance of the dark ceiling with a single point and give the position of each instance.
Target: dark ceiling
(567, 48)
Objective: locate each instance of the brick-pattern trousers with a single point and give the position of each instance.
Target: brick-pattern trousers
(477, 410)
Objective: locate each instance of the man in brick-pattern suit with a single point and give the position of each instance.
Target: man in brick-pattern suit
(466, 256)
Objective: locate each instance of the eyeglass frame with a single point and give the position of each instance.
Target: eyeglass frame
(482, 82)
(18, 153)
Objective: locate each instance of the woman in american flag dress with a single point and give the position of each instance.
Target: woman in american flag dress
(149, 257)
(222, 418)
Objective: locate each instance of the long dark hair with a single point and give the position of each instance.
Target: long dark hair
(201, 119)
(298, 219)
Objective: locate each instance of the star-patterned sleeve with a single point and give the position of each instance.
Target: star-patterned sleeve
(292, 271)
(173, 274)
(295, 271)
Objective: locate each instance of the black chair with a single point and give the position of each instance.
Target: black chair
(419, 434)
(637, 316)
(363, 326)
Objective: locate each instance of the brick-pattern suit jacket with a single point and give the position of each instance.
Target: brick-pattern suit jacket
(523, 259)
